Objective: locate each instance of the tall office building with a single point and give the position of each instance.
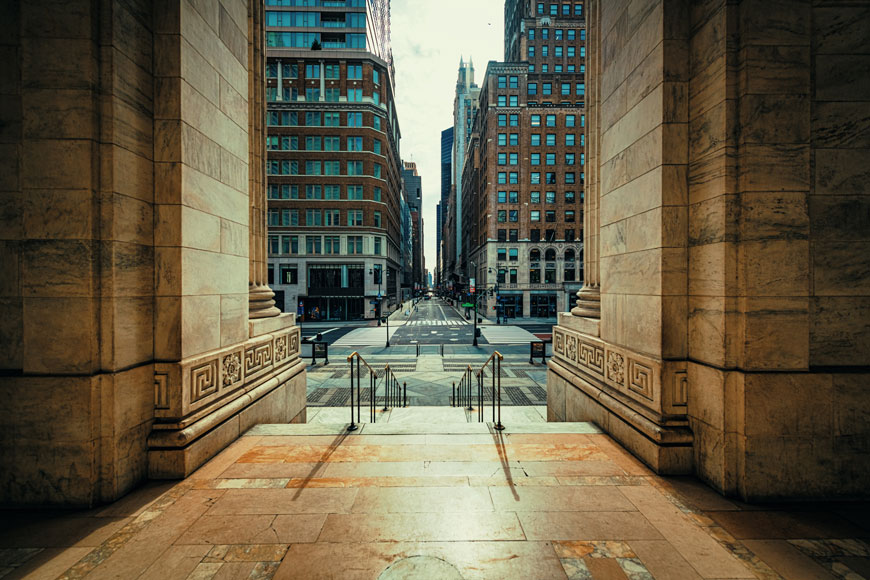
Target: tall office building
(334, 172)
(465, 106)
(524, 174)
(446, 172)
(413, 185)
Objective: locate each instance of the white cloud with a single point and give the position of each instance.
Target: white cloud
(429, 37)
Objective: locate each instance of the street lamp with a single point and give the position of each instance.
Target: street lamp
(473, 290)
(497, 304)
(376, 272)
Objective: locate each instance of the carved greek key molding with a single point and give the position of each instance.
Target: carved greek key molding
(280, 348)
(559, 341)
(681, 389)
(641, 379)
(203, 381)
(258, 358)
(161, 390)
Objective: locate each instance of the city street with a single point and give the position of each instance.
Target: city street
(434, 322)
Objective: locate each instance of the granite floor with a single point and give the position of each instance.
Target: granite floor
(412, 497)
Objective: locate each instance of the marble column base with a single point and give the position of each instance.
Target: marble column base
(665, 450)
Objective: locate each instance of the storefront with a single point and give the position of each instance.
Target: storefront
(511, 304)
(330, 308)
(543, 305)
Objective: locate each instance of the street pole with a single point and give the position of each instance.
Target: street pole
(388, 330)
(474, 343)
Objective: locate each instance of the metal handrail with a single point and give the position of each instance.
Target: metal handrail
(496, 358)
(373, 377)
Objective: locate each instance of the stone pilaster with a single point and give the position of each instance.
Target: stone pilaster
(261, 303)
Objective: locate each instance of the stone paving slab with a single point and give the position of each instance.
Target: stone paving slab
(454, 500)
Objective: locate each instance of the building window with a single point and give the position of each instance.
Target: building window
(312, 119)
(354, 119)
(502, 235)
(312, 94)
(502, 197)
(502, 216)
(535, 177)
(514, 236)
(331, 168)
(513, 255)
(377, 194)
(566, 89)
(332, 217)
(501, 275)
(513, 215)
(558, 49)
(378, 244)
(502, 100)
(312, 168)
(514, 177)
(535, 215)
(551, 120)
(549, 275)
(533, 88)
(354, 143)
(354, 245)
(313, 192)
(377, 168)
(570, 120)
(569, 159)
(569, 197)
(355, 217)
(569, 235)
(514, 120)
(312, 244)
(354, 167)
(354, 72)
(534, 275)
(502, 139)
(331, 120)
(551, 139)
(569, 177)
(547, 88)
(502, 177)
(550, 216)
(535, 159)
(515, 139)
(289, 275)
(514, 101)
(514, 158)
(536, 120)
(355, 192)
(332, 192)
(502, 120)
(551, 178)
(536, 139)
(569, 215)
(502, 82)
(513, 275)
(535, 235)
(531, 51)
(331, 245)
(535, 197)
(581, 88)
(514, 197)
(312, 71)
(377, 218)
(313, 217)
(569, 139)
(551, 197)
(502, 158)
(551, 158)
(502, 254)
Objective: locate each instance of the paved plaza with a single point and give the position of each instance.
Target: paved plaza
(431, 493)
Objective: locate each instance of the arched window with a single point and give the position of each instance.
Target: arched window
(569, 255)
(550, 255)
(535, 255)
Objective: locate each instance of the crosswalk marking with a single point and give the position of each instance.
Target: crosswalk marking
(436, 322)
(373, 336)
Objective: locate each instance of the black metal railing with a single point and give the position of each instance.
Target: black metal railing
(356, 380)
(494, 361)
(395, 392)
(463, 394)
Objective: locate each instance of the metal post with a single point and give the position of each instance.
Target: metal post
(405, 394)
(387, 318)
(498, 425)
(453, 400)
(474, 342)
(480, 397)
(470, 391)
(352, 426)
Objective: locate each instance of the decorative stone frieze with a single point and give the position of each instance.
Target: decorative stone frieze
(222, 374)
(633, 376)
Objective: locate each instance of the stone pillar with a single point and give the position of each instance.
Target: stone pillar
(730, 145)
(261, 303)
(589, 297)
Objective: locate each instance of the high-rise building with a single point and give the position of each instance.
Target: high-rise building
(446, 173)
(334, 171)
(465, 106)
(413, 185)
(523, 184)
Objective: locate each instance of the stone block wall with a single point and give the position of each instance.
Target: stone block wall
(734, 241)
(77, 249)
(201, 176)
(124, 246)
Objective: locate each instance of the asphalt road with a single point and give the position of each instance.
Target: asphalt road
(435, 322)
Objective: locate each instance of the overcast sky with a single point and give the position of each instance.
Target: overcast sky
(428, 37)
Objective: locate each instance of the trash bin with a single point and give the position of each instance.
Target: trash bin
(537, 348)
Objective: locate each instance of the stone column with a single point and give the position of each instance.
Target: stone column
(589, 297)
(261, 303)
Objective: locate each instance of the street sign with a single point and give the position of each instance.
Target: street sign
(373, 301)
(468, 305)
